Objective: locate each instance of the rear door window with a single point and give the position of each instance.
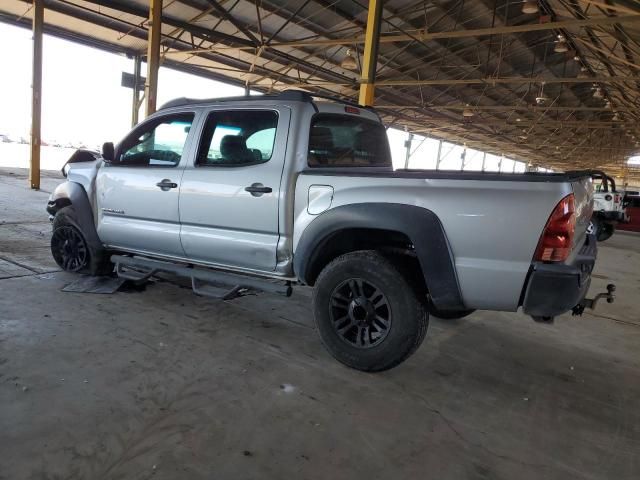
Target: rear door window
(347, 141)
(237, 138)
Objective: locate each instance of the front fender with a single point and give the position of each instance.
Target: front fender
(73, 194)
(420, 225)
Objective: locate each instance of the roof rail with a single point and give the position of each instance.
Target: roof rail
(292, 95)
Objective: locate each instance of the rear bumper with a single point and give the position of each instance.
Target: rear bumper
(553, 289)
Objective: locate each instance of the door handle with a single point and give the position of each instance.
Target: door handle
(257, 189)
(166, 184)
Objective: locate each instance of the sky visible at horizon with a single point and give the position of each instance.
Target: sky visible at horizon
(82, 100)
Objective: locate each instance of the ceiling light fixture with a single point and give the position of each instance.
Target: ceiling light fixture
(561, 45)
(348, 62)
(467, 112)
(541, 98)
(597, 94)
(529, 7)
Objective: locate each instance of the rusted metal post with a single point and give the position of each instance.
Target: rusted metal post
(135, 101)
(153, 56)
(36, 95)
(370, 56)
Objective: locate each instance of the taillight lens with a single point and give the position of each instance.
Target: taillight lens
(616, 199)
(557, 237)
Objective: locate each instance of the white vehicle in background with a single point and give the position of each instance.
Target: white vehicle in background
(608, 207)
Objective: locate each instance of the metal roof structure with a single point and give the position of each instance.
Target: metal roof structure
(559, 87)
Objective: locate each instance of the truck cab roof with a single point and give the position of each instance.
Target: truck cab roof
(326, 104)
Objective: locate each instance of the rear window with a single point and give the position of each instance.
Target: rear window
(347, 141)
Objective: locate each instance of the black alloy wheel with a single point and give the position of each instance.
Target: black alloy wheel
(69, 248)
(360, 313)
(369, 314)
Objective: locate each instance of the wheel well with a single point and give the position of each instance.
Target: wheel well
(53, 206)
(392, 243)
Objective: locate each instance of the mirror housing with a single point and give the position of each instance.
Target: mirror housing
(108, 151)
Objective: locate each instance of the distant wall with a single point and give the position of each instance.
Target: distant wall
(16, 155)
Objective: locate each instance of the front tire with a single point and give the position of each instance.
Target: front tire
(71, 250)
(370, 317)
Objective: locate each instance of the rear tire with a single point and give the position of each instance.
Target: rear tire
(369, 315)
(71, 250)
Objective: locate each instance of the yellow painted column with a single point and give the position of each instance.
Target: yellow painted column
(153, 56)
(36, 95)
(370, 56)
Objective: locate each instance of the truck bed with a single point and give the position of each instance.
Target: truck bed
(492, 221)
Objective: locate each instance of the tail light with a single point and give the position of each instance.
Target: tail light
(557, 237)
(616, 199)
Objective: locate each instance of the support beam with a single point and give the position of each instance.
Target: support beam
(423, 36)
(610, 6)
(135, 101)
(509, 108)
(220, 10)
(153, 56)
(407, 146)
(488, 81)
(36, 95)
(370, 56)
(439, 157)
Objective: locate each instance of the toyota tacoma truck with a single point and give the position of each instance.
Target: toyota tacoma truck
(275, 191)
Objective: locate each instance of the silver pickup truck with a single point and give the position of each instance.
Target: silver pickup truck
(280, 190)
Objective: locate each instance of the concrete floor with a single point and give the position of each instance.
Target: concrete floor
(165, 384)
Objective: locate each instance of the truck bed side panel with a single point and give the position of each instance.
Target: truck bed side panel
(492, 226)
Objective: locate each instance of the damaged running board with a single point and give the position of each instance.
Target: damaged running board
(203, 281)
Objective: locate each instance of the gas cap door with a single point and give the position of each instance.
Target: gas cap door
(319, 199)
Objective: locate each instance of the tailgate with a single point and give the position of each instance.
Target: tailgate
(583, 193)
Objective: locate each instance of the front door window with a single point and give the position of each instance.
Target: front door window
(158, 144)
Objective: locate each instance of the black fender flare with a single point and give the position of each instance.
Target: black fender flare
(73, 194)
(420, 225)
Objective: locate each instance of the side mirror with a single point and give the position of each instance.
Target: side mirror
(108, 152)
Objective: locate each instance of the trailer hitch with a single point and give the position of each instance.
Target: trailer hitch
(591, 302)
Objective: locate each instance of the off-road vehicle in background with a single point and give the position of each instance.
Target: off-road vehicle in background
(609, 207)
